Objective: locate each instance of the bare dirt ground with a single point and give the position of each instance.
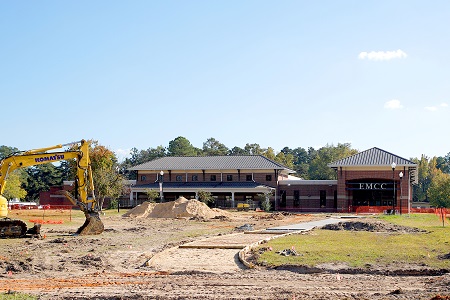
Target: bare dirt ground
(139, 258)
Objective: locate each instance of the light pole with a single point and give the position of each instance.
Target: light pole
(161, 179)
(401, 177)
(393, 165)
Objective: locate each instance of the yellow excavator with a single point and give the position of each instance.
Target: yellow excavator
(84, 196)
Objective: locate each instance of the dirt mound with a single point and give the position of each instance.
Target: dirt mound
(140, 211)
(273, 216)
(180, 208)
(376, 226)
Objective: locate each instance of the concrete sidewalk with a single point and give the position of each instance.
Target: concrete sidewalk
(305, 226)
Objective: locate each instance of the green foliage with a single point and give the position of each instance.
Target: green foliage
(6, 151)
(13, 187)
(439, 191)
(253, 149)
(265, 201)
(318, 167)
(17, 296)
(427, 171)
(237, 151)
(443, 163)
(181, 147)
(113, 204)
(108, 182)
(151, 194)
(214, 147)
(41, 178)
(204, 196)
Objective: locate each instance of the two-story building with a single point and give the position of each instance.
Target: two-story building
(230, 179)
(370, 180)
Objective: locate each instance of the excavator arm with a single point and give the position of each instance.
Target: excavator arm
(84, 185)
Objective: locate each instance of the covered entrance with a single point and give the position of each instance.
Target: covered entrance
(374, 192)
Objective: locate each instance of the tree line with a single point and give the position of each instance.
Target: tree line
(309, 163)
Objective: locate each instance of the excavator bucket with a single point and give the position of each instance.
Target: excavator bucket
(92, 225)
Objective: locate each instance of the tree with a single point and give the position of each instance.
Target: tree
(213, 147)
(269, 153)
(41, 178)
(300, 160)
(151, 194)
(237, 151)
(265, 201)
(443, 163)
(6, 151)
(318, 168)
(253, 149)
(108, 182)
(286, 160)
(13, 187)
(205, 197)
(439, 193)
(427, 170)
(139, 157)
(181, 147)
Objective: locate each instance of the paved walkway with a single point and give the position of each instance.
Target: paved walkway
(306, 225)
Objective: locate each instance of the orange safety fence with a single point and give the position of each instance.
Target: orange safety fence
(39, 221)
(46, 214)
(389, 209)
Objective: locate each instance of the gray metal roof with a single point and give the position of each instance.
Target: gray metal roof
(372, 157)
(205, 185)
(244, 162)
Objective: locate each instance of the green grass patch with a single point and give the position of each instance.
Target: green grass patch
(17, 296)
(361, 248)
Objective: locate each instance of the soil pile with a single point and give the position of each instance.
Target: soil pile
(273, 216)
(180, 208)
(372, 227)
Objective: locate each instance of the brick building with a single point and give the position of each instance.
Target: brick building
(230, 179)
(370, 180)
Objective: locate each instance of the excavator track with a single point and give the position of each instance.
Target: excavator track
(10, 228)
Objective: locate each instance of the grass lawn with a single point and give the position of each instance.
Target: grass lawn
(17, 296)
(362, 249)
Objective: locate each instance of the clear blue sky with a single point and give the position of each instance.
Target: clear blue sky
(277, 73)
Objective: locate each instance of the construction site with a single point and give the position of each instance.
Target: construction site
(182, 250)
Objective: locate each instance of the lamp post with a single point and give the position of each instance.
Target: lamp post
(161, 179)
(393, 165)
(401, 177)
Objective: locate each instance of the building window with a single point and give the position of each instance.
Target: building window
(249, 178)
(268, 177)
(323, 198)
(296, 198)
(143, 178)
(179, 178)
(194, 177)
(213, 177)
(229, 177)
(283, 199)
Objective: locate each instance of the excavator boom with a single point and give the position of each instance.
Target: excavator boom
(84, 185)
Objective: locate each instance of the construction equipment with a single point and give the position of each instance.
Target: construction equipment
(84, 186)
(243, 206)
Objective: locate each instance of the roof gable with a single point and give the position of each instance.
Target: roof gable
(372, 157)
(247, 162)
